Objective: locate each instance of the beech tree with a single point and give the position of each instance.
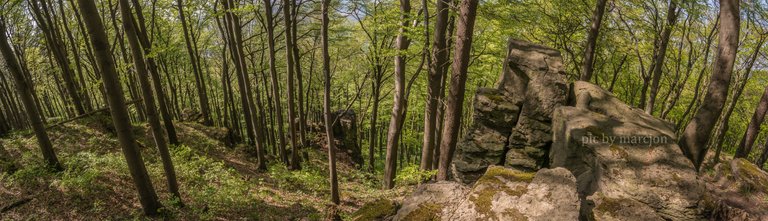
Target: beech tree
(594, 31)
(693, 141)
(333, 179)
(455, 98)
(398, 108)
(118, 109)
(149, 98)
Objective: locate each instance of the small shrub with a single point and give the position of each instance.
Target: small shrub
(411, 175)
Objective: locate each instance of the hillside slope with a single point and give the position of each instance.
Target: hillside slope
(217, 182)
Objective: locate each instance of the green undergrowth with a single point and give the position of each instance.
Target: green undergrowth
(216, 182)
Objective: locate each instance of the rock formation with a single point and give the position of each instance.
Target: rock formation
(623, 158)
(512, 122)
(609, 161)
(500, 194)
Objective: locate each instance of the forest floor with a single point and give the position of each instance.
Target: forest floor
(217, 182)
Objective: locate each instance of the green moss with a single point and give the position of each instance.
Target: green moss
(425, 212)
(493, 174)
(483, 201)
(496, 97)
(375, 210)
(517, 191)
(752, 175)
(513, 214)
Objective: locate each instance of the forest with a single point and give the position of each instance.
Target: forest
(321, 109)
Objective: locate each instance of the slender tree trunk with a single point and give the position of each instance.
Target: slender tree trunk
(763, 157)
(455, 102)
(270, 28)
(440, 56)
(194, 60)
(236, 48)
(697, 133)
(658, 63)
(120, 118)
(398, 108)
(289, 50)
(753, 129)
(594, 31)
(25, 93)
(149, 99)
(376, 89)
(327, 106)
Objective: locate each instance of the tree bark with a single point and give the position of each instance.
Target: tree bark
(697, 133)
(753, 129)
(455, 102)
(289, 62)
(594, 32)
(270, 28)
(149, 98)
(440, 56)
(119, 112)
(659, 57)
(398, 107)
(327, 106)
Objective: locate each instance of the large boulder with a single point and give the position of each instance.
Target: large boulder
(738, 190)
(434, 201)
(623, 158)
(511, 124)
(500, 194)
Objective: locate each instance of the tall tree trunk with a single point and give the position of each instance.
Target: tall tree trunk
(697, 133)
(120, 118)
(398, 108)
(455, 102)
(753, 129)
(659, 57)
(162, 101)
(149, 98)
(270, 28)
(236, 49)
(25, 93)
(202, 95)
(594, 31)
(440, 56)
(289, 62)
(760, 162)
(327, 106)
(302, 124)
(376, 89)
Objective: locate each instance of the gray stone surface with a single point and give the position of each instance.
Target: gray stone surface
(531, 86)
(620, 153)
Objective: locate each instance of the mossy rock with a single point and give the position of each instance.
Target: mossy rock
(493, 173)
(376, 210)
(495, 181)
(425, 212)
(751, 175)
